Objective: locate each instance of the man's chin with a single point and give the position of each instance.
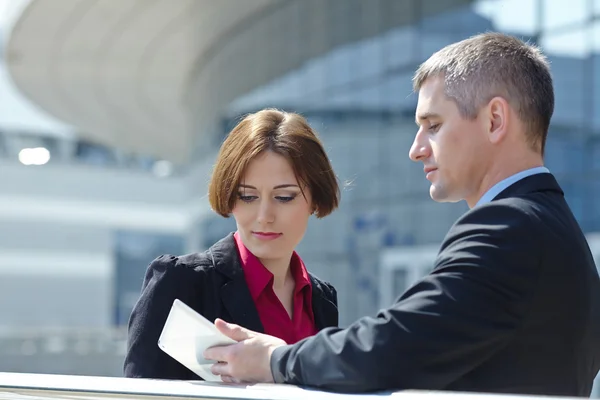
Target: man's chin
(439, 195)
(436, 194)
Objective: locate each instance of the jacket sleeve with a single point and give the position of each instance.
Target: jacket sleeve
(445, 325)
(164, 281)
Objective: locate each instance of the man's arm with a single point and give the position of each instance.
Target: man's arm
(441, 328)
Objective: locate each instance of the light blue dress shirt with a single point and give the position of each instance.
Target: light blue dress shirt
(503, 184)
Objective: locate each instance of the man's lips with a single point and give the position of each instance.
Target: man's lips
(429, 171)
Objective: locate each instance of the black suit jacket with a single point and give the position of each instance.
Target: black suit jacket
(213, 284)
(512, 305)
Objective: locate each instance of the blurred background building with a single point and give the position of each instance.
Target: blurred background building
(111, 113)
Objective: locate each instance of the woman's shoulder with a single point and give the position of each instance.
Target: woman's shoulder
(324, 287)
(185, 263)
(193, 263)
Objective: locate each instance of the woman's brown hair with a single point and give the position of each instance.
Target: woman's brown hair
(283, 133)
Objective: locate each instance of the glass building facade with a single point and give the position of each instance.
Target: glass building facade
(358, 96)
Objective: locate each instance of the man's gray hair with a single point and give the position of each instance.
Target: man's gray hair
(487, 65)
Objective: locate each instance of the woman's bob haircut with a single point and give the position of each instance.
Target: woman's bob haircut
(283, 133)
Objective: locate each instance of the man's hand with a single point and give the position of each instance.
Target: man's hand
(247, 361)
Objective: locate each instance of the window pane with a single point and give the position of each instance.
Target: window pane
(556, 14)
(575, 195)
(514, 16)
(594, 213)
(133, 252)
(595, 81)
(595, 158)
(564, 154)
(568, 54)
(596, 96)
(572, 43)
(400, 45)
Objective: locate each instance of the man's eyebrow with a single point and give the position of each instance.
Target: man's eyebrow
(424, 116)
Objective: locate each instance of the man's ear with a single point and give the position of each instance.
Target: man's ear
(498, 114)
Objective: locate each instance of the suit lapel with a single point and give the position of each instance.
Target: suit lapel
(324, 311)
(235, 294)
(238, 302)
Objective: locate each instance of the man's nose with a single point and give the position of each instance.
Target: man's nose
(420, 148)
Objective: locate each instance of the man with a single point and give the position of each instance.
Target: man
(513, 303)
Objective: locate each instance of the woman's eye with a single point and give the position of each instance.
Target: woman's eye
(434, 128)
(285, 199)
(246, 199)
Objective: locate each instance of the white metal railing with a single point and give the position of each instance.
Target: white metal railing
(40, 387)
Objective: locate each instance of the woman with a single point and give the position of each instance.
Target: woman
(271, 174)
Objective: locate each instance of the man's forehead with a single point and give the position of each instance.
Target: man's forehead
(432, 88)
(431, 98)
(425, 108)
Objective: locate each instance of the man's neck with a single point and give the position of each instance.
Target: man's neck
(503, 171)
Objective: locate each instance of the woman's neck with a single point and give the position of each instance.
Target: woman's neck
(280, 268)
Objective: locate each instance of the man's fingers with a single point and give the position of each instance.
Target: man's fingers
(220, 368)
(233, 331)
(217, 353)
(229, 379)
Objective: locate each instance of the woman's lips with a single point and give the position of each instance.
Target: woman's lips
(266, 235)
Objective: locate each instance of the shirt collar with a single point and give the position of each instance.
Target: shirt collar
(503, 184)
(258, 277)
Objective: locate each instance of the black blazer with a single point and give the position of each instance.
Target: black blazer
(213, 284)
(512, 306)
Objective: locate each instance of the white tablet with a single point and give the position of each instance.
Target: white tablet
(186, 335)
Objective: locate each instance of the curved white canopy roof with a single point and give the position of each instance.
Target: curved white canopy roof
(154, 76)
(118, 70)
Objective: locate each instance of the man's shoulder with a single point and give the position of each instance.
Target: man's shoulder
(541, 211)
(508, 225)
(527, 222)
(511, 212)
